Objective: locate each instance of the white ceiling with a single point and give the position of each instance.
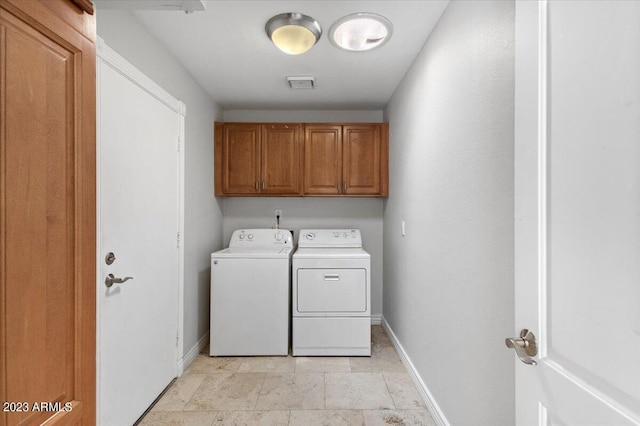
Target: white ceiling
(227, 51)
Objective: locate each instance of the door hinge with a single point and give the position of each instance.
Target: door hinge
(178, 239)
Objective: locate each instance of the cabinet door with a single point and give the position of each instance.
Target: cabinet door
(240, 158)
(48, 213)
(361, 160)
(323, 159)
(281, 159)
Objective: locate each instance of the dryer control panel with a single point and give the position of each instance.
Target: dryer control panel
(261, 238)
(347, 238)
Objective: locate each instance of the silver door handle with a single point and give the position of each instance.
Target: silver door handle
(331, 277)
(525, 346)
(111, 280)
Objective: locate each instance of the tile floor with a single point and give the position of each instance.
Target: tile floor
(304, 391)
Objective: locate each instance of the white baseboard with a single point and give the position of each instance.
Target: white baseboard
(376, 319)
(427, 397)
(188, 358)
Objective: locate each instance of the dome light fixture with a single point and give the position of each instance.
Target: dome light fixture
(359, 32)
(293, 33)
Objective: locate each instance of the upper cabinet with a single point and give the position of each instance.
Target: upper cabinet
(269, 159)
(257, 159)
(349, 159)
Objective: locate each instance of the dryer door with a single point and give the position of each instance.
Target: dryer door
(331, 291)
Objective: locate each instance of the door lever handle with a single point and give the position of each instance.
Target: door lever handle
(111, 280)
(525, 346)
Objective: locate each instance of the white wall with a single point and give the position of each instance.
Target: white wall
(448, 284)
(304, 116)
(312, 212)
(203, 212)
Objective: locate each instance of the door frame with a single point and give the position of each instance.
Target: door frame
(111, 58)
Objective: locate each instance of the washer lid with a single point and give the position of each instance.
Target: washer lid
(253, 253)
(331, 253)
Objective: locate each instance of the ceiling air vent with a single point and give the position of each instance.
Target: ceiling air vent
(301, 82)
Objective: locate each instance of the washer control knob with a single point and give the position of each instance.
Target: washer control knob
(310, 236)
(241, 236)
(278, 237)
(250, 237)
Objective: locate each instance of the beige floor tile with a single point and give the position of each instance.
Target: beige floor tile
(289, 391)
(357, 391)
(326, 418)
(403, 392)
(379, 337)
(204, 364)
(330, 391)
(398, 417)
(252, 418)
(322, 365)
(227, 391)
(180, 392)
(381, 359)
(180, 418)
(268, 364)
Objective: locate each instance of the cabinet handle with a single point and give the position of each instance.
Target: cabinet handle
(344, 187)
(257, 188)
(263, 185)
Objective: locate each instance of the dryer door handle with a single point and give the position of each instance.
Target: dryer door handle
(332, 277)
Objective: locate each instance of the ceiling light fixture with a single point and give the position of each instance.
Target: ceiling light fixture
(293, 33)
(360, 31)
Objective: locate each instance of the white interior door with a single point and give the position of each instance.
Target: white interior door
(578, 211)
(139, 130)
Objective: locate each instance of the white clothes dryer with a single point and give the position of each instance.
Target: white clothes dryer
(331, 294)
(250, 288)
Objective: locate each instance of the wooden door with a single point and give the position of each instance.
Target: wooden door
(323, 159)
(577, 204)
(241, 158)
(361, 159)
(47, 213)
(281, 159)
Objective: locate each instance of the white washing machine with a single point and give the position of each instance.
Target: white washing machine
(331, 294)
(250, 288)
